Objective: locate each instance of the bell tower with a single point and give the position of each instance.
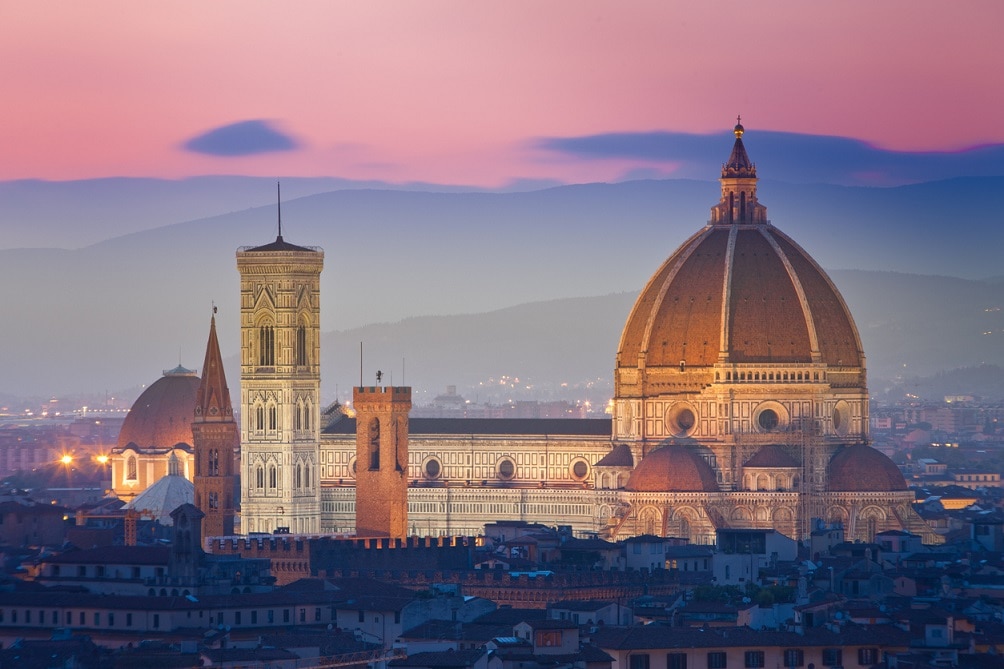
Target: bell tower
(214, 437)
(382, 461)
(280, 386)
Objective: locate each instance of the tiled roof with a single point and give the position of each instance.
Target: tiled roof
(279, 245)
(619, 456)
(679, 314)
(654, 637)
(115, 555)
(593, 427)
(672, 469)
(446, 658)
(860, 468)
(162, 415)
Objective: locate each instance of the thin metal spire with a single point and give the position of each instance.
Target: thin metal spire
(278, 197)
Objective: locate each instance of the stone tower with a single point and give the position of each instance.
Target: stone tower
(280, 386)
(214, 437)
(382, 461)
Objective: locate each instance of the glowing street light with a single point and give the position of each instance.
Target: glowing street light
(66, 459)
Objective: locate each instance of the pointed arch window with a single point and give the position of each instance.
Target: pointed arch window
(307, 410)
(273, 479)
(301, 345)
(374, 437)
(273, 418)
(298, 416)
(214, 462)
(132, 473)
(298, 476)
(306, 475)
(259, 476)
(259, 413)
(266, 346)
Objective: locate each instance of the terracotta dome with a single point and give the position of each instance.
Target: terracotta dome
(161, 416)
(861, 468)
(743, 301)
(739, 291)
(672, 469)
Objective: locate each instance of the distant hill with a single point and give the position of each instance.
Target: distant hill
(574, 342)
(113, 314)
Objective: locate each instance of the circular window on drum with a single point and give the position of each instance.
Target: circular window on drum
(579, 469)
(506, 469)
(681, 419)
(432, 468)
(770, 417)
(352, 467)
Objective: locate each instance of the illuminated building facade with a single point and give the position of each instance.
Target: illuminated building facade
(280, 387)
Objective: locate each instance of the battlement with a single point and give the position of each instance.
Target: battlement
(285, 544)
(398, 392)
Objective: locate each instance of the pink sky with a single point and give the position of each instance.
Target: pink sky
(454, 92)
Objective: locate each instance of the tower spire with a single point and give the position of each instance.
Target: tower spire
(213, 398)
(278, 197)
(214, 437)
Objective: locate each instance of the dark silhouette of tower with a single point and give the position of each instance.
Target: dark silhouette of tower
(214, 434)
(382, 461)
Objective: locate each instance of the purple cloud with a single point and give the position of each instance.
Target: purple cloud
(244, 138)
(783, 156)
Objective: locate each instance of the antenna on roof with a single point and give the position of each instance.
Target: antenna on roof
(278, 197)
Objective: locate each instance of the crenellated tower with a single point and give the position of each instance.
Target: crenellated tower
(214, 438)
(280, 386)
(382, 460)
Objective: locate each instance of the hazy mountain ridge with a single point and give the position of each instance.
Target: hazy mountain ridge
(114, 314)
(575, 341)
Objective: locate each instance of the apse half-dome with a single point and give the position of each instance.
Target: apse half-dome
(672, 469)
(161, 417)
(861, 468)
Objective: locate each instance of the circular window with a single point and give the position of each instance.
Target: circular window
(580, 469)
(352, 466)
(681, 419)
(767, 419)
(432, 468)
(507, 469)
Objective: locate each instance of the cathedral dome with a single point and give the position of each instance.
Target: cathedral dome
(861, 468)
(739, 291)
(739, 294)
(672, 469)
(161, 416)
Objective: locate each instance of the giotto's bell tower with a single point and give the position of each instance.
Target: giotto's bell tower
(280, 386)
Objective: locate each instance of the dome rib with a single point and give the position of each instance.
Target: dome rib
(840, 343)
(635, 336)
(767, 320)
(797, 285)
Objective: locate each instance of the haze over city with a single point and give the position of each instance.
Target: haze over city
(142, 146)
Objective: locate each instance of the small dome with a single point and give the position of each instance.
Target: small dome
(672, 469)
(771, 456)
(159, 500)
(161, 416)
(861, 468)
